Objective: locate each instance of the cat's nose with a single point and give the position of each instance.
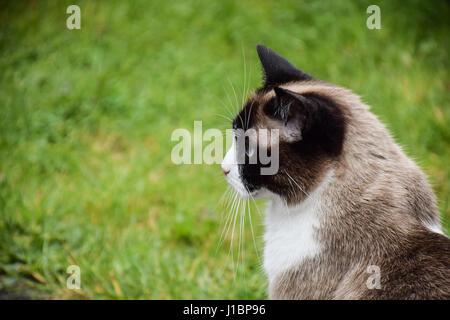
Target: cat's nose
(225, 171)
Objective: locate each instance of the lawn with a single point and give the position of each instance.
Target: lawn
(86, 118)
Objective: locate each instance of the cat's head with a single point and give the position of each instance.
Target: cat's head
(294, 120)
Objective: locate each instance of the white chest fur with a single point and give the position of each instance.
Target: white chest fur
(290, 232)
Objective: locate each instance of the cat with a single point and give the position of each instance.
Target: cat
(349, 216)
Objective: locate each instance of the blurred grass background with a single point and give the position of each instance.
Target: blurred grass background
(86, 118)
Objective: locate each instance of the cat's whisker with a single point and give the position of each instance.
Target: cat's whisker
(243, 252)
(245, 85)
(250, 220)
(232, 232)
(228, 230)
(227, 201)
(225, 195)
(223, 116)
(249, 81)
(241, 234)
(232, 105)
(233, 211)
(228, 220)
(237, 103)
(291, 191)
(254, 201)
(240, 238)
(225, 219)
(301, 189)
(227, 108)
(250, 113)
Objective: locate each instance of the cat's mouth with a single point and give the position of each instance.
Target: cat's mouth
(238, 187)
(242, 190)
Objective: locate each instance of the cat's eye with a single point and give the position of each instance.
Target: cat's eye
(249, 150)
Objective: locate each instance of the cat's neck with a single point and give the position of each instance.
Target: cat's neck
(290, 230)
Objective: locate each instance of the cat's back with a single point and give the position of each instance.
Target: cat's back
(383, 171)
(419, 269)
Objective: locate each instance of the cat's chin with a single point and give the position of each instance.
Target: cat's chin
(258, 194)
(263, 194)
(244, 193)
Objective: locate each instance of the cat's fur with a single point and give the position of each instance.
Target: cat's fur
(345, 198)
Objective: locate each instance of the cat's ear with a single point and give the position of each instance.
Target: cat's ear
(277, 70)
(293, 110)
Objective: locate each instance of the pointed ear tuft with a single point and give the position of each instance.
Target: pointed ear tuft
(277, 70)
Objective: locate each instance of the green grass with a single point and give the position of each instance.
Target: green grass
(86, 118)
